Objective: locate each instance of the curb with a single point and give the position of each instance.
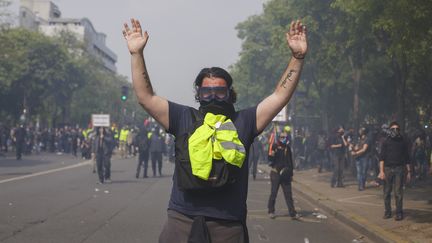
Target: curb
(374, 232)
(357, 222)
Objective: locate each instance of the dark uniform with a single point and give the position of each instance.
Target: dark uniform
(20, 134)
(143, 147)
(157, 146)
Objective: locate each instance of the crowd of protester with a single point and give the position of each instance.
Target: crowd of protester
(28, 139)
(31, 139)
(312, 149)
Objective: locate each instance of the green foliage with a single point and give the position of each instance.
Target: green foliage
(386, 43)
(55, 80)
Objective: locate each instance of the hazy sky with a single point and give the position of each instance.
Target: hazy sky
(185, 35)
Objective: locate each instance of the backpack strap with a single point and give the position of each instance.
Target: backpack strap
(196, 115)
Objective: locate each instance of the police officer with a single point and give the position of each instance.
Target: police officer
(143, 152)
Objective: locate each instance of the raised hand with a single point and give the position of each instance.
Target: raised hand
(135, 38)
(297, 39)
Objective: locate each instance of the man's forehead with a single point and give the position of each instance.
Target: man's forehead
(213, 81)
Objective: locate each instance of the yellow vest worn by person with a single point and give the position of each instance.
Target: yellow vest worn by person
(123, 135)
(215, 139)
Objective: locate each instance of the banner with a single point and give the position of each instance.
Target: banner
(101, 120)
(281, 116)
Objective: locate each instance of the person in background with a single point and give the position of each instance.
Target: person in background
(157, 145)
(143, 152)
(337, 155)
(254, 155)
(102, 150)
(394, 160)
(19, 137)
(361, 156)
(281, 174)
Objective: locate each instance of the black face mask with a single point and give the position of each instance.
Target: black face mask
(394, 133)
(217, 107)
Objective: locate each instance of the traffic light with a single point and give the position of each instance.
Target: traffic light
(124, 93)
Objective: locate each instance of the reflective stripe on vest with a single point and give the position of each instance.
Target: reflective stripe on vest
(217, 139)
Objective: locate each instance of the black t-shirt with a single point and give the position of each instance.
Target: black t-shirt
(336, 140)
(282, 158)
(362, 141)
(229, 203)
(394, 152)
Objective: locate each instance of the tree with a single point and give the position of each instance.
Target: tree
(366, 58)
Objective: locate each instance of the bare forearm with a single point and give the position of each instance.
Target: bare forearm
(381, 166)
(156, 106)
(289, 80)
(270, 106)
(140, 78)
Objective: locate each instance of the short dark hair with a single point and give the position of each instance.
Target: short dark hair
(394, 123)
(336, 129)
(215, 72)
(365, 130)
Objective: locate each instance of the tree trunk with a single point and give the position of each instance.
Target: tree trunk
(356, 75)
(401, 75)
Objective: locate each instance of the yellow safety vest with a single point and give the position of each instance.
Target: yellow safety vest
(123, 135)
(116, 133)
(84, 133)
(216, 139)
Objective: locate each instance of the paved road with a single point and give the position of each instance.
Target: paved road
(55, 198)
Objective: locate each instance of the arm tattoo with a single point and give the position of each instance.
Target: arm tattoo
(147, 80)
(288, 78)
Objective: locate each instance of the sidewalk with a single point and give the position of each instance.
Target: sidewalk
(363, 210)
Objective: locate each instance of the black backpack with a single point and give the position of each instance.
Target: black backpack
(222, 174)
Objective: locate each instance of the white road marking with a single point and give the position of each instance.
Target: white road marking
(306, 240)
(46, 172)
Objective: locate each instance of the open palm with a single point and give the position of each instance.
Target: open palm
(135, 38)
(297, 39)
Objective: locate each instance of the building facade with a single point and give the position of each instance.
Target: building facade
(45, 16)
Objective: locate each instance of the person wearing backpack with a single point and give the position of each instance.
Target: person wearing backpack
(143, 152)
(204, 206)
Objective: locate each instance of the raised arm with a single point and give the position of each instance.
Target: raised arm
(270, 106)
(156, 106)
